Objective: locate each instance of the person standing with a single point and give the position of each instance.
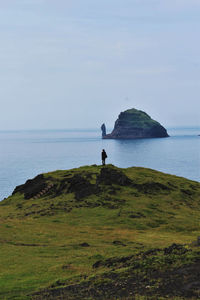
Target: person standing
(103, 157)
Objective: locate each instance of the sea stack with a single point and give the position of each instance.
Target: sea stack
(133, 124)
(103, 129)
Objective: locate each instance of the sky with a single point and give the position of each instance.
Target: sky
(79, 63)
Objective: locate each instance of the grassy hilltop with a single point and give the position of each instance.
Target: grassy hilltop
(101, 233)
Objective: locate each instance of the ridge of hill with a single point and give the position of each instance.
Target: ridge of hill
(101, 233)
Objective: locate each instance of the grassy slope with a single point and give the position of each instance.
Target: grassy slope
(41, 239)
(137, 119)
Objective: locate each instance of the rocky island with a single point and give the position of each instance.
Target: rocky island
(132, 124)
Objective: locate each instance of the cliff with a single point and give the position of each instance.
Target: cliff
(101, 233)
(133, 123)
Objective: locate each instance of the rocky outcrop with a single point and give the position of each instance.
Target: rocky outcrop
(132, 124)
(103, 129)
(32, 187)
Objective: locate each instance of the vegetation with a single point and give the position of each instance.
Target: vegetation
(101, 233)
(137, 119)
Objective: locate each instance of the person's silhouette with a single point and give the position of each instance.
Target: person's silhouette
(103, 157)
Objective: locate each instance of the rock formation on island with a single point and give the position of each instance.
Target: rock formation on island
(132, 124)
(103, 129)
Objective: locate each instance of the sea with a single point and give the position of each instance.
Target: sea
(25, 154)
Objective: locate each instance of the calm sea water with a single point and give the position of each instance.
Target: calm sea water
(25, 154)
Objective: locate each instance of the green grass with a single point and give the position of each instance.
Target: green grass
(44, 247)
(137, 119)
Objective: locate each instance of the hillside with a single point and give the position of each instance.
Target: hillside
(101, 233)
(134, 123)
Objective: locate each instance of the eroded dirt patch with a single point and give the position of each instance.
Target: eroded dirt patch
(170, 272)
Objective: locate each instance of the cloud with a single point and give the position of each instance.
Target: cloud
(74, 58)
(180, 5)
(159, 70)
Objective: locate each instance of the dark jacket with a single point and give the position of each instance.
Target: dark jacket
(103, 155)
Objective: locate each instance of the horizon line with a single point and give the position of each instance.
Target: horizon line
(91, 128)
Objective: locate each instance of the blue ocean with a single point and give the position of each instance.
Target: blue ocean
(25, 154)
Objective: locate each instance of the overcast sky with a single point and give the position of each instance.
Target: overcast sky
(79, 63)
